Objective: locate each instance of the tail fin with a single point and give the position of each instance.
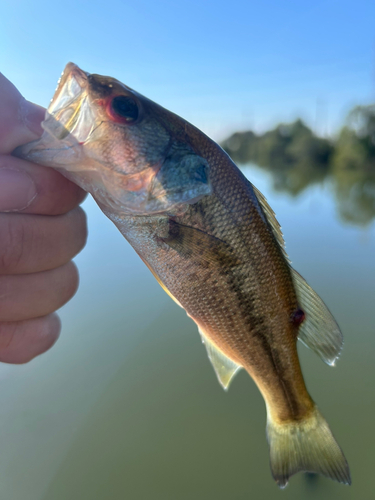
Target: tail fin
(307, 445)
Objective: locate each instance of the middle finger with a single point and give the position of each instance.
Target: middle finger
(34, 243)
(30, 296)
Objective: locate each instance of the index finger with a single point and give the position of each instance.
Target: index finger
(32, 189)
(19, 119)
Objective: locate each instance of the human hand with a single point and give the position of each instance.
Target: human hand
(41, 229)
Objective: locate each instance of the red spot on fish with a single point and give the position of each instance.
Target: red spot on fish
(297, 317)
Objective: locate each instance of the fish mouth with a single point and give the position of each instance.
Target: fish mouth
(69, 111)
(71, 84)
(73, 120)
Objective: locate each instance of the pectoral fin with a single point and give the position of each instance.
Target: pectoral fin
(224, 367)
(204, 248)
(319, 331)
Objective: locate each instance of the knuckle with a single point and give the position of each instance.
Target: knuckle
(14, 238)
(7, 333)
(13, 347)
(20, 342)
(71, 281)
(59, 286)
(60, 194)
(76, 224)
(81, 227)
(5, 295)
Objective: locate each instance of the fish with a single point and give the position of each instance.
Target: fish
(212, 242)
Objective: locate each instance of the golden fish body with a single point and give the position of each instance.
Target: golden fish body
(220, 262)
(212, 242)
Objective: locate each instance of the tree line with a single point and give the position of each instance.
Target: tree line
(297, 158)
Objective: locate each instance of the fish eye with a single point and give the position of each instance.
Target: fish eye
(124, 108)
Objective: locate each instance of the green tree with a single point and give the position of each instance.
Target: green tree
(291, 152)
(353, 166)
(297, 158)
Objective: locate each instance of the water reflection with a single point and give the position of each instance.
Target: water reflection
(297, 158)
(126, 404)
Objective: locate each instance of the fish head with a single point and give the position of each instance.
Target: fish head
(124, 149)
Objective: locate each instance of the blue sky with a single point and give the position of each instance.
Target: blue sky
(221, 65)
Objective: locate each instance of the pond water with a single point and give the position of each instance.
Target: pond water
(126, 405)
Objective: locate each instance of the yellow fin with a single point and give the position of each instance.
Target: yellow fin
(224, 367)
(273, 222)
(200, 246)
(319, 331)
(305, 445)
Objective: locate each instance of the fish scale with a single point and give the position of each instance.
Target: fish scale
(249, 302)
(213, 243)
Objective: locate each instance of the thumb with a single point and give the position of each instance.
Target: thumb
(19, 119)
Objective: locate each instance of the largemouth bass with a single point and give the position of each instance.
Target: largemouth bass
(212, 242)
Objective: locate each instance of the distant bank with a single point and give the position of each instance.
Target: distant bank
(297, 158)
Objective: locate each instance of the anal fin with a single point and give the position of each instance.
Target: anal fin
(224, 367)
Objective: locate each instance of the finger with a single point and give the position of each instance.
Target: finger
(30, 188)
(21, 341)
(19, 119)
(35, 243)
(29, 296)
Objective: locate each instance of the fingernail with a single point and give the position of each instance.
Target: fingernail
(32, 115)
(17, 190)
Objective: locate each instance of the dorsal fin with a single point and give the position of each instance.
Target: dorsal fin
(273, 222)
(224, 367)
(319, 331)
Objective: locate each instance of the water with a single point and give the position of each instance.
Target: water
(126, 405)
